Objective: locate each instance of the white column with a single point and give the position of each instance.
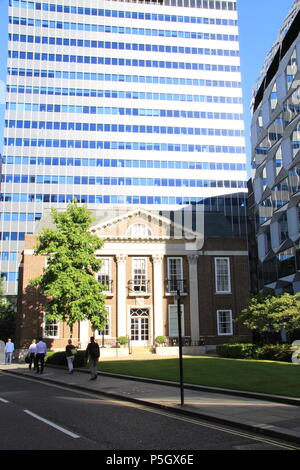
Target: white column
(121, 295)
(193, 292)
(84, 333)
(158, 294)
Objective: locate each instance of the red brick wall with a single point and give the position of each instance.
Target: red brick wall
(31, 303)
(210, 301)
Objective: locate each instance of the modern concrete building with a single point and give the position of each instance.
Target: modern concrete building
(275, 188)
(120, 103)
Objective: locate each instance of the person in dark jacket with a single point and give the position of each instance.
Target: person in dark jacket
(92, 353)
(70, 349)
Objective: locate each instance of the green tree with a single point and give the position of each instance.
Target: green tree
(73, 294)
(269, 313)
(7, 316)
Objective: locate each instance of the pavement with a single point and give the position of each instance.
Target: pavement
(274, 416)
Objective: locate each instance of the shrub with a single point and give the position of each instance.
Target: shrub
(271, 352)
(123, 340)
(160, 340)
(59, 359)
(237, 351)
(275, 352)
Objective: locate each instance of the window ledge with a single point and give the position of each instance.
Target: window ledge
(139, 294)
(172, 294)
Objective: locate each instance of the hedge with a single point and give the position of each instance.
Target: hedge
(59, 359)
(272, 352)
(275, 352)
(237, 350)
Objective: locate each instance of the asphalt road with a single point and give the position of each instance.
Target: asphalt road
(40, 416)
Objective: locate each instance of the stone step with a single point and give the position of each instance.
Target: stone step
(142, 351)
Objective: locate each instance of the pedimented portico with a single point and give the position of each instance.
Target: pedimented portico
(150, 256)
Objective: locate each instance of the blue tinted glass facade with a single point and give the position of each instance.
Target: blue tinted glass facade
(118, 103)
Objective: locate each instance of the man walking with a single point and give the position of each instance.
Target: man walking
(31, 353)
(92, 353)
(70, 351)
(40, 352)
(9, 349)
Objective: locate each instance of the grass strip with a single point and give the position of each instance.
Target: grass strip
(278, 378)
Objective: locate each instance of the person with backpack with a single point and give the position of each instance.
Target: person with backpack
(92, 353)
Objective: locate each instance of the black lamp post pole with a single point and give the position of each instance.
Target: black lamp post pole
(180, 348)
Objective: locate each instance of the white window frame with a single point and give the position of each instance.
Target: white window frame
(181, 265)
(45, 335)
(228, 290)
(173, 320)
(145, 313)
(99, 334)
(178, 276)
(139, 230)
(228, 321)
(99, 273)
(133, 270)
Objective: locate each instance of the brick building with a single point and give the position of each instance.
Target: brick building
(147, 257)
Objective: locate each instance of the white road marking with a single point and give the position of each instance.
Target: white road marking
(3, 400)
(69, 433)
(196, 421)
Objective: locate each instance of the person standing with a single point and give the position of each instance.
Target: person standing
(92, 353)
(70, 356)
(40, 352)
(31, 353)
(9, 349)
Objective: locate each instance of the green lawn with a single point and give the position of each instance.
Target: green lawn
(279, 378)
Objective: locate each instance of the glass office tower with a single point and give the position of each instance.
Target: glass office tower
(118, 103)
(274, 200)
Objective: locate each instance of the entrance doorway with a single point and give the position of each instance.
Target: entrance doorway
(139, 326)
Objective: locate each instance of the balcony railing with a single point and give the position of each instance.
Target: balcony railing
(173, 285)
(141, 286)
(107, 283)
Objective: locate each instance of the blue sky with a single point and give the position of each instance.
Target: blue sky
(259, 24)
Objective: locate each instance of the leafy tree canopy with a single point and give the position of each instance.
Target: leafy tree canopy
(267, 312)
(68, 280)
(7, 316)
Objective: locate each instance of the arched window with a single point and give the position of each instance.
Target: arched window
(139, 231)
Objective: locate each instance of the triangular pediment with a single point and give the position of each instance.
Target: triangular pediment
(142, 224)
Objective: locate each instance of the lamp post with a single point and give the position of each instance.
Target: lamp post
(180, 348)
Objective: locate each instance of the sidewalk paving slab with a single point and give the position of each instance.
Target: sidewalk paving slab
(274, 416)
